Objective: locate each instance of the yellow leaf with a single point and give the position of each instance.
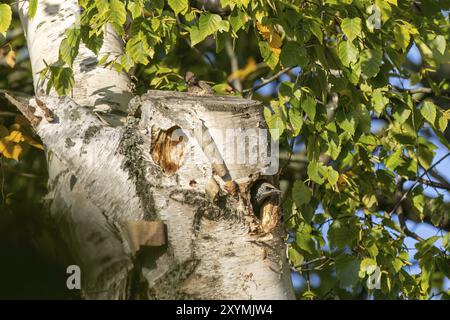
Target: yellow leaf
(342, 181)
(10, 58)
(447, 114)
(14, 136)
(10, 149)
(243, 73)
(271, 36)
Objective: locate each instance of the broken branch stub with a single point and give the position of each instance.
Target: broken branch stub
(224, 139)
(225, 149)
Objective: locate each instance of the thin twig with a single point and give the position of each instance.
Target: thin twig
(416, 182)
(265, 82)
(7, 114)
(314, 260)
(416, 90)
(433, 184)
(402, 219)
(436, 175)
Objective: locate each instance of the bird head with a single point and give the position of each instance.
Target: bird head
(260, 192)
(190, 78)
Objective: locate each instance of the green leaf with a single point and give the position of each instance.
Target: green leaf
(355, 73)
(418, 199)
(446, 241)
(315, 28)
(301, 194)
(296, 120)
(63, 80)
(368, 266)
(313, 172)
(275, 123)
(332, 176)
(117, 13)
(426, 152)
(442, 123)
(402, 36)
(295, 257)
(347, 268)
(308, 104)
(370, 62)
(67, 53)
(342, 233)
(92, 41)
(126, 62)
(293, 54)
(346, 121)
(395, 159)
(68, 50)
(424, 246)
(401, 113)
(444, 265)
(237, 20)
(379, 101)
(5, 17)
(428, 111)
(179, 6)
(347, 52)
(304, 240)
(138, 48)
(32, 9)
(439, 44)
(270, 57)
(351, 28)
(385, 9)
(136, 8)
(208, 25)
(334, 145)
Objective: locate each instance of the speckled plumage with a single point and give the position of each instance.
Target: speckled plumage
(196, 86)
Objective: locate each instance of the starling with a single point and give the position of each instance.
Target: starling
(261, 192)
(196, 86)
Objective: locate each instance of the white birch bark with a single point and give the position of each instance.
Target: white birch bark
(104, 177)
(97, 87)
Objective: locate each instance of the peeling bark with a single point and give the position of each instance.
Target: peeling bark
(111, 187)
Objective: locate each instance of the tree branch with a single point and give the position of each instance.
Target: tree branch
(433, 184)
(265, 82)
(416, 90)
(406, 193)
(436, 175)
(402, 220)
(25, 109)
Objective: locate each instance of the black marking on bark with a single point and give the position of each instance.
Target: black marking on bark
(88, 64)
(135, 165)
(69, 143)
(73, 180)
(168, 286)
(90, 133)
(71, 114)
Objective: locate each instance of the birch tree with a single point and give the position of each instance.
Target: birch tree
(162, 190)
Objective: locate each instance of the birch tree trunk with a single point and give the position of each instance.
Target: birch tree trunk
(148, 202)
